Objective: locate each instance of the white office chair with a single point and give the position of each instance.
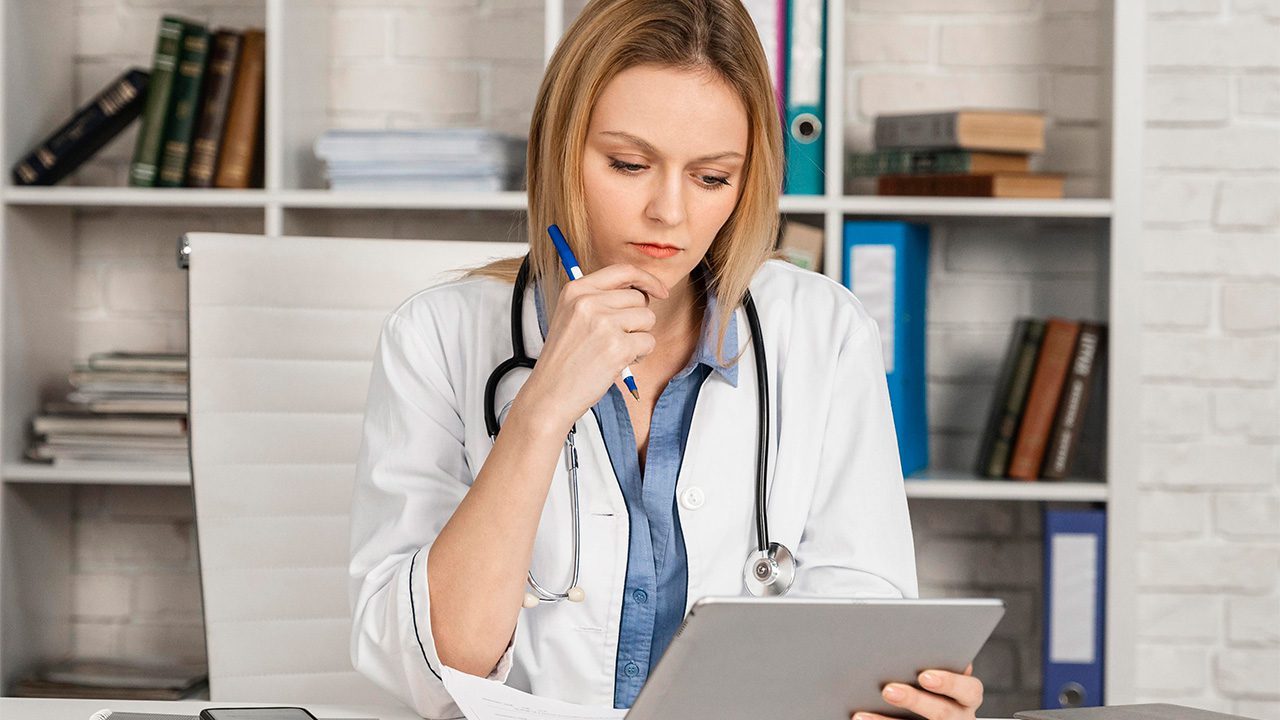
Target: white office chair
(282, 332)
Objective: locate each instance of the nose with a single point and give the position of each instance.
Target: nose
(666, 203)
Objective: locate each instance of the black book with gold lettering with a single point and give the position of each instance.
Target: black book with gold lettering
(91, 127)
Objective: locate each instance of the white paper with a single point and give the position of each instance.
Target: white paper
(1075, 583)
(481, 699)
(874, 283)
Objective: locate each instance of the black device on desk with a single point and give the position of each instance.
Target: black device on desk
(257, 713)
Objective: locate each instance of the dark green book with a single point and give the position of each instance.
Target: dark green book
(920, 162)
(181, 122)
(1011, 396)
(146, 152)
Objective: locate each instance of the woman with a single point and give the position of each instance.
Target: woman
(655, 144)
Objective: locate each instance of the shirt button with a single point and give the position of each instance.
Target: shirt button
(640, 596)
(631, 669)
(692, 498)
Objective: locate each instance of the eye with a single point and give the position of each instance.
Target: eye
(624, 168)
(709, 182)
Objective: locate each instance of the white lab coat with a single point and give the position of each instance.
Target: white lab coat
(835, 487)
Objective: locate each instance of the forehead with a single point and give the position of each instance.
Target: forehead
(681, 112)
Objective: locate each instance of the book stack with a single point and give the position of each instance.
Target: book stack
(201, 106)
(1049, 389)
(967, 153)
(114, 680)
(128, 408)
(443, 159)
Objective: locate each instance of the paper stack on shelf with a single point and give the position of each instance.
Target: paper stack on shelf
(114, 680)
(443, 159)
(126, 407)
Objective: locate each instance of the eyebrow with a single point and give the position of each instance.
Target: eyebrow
(648, 147)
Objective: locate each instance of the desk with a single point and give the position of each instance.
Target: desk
(60, 709)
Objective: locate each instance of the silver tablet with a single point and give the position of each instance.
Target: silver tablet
(808, 658)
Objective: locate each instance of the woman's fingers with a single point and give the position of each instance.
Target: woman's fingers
(625, 275)
(623, 298)
(925, 704)
(964, 689)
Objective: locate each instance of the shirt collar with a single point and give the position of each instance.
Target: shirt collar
(704, 352)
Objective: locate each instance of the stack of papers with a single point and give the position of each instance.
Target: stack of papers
(444, 159)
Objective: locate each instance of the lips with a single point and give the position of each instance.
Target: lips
(656, 251)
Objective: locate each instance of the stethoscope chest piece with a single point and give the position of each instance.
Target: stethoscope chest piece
(770, 573)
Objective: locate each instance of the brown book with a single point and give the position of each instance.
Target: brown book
(996, 185)
(999, 130)
(240, 140)
(1085, 366)
(1042, 402)
(214, 103)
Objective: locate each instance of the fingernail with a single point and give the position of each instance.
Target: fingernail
(893, 692)
(861, 716)
(929, 679)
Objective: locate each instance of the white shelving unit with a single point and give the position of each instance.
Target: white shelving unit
(38, 249)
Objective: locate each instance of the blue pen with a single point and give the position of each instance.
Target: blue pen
(571, 267)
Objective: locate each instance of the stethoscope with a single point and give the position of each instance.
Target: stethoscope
(770, 568)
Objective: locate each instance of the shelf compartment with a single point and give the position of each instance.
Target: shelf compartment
(27, 472)
(957, 485)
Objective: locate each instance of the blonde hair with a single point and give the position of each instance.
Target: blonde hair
(610, 36)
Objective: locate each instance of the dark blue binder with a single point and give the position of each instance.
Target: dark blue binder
(1075, 565)
(886, 264)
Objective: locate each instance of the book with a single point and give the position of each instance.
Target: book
(90, 127)
(802, 245)
(998, 130)
(996, 185)
(82, 376)
(917, 162)
(114, 680)
(146, 152)
(171, 362)
(215, 101)
(1010, 397)
(114, 425)
(239, 158)
(1052, 366)
(1064, 438)
(176, 148)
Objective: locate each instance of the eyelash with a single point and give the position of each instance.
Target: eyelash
(631, 168)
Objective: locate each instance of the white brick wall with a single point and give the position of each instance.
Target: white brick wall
(1208, 609)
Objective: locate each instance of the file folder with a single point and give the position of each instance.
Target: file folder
(886, 265)
(770, 19)
(1075, 574)
(806, 97)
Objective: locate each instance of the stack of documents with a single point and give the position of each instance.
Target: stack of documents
(444, 159)
(125, 407)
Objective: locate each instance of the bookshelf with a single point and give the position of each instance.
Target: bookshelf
(39, 233)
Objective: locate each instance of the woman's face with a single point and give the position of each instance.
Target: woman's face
(662, 166)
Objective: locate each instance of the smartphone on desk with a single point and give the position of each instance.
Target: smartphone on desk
(257, 713)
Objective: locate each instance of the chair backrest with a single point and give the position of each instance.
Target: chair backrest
(282, 332)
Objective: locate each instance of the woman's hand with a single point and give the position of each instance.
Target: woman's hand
(601, 325)
(949, 696)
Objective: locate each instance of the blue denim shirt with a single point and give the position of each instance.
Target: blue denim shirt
(654, 599)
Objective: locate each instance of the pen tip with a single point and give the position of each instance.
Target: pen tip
(635, 394)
